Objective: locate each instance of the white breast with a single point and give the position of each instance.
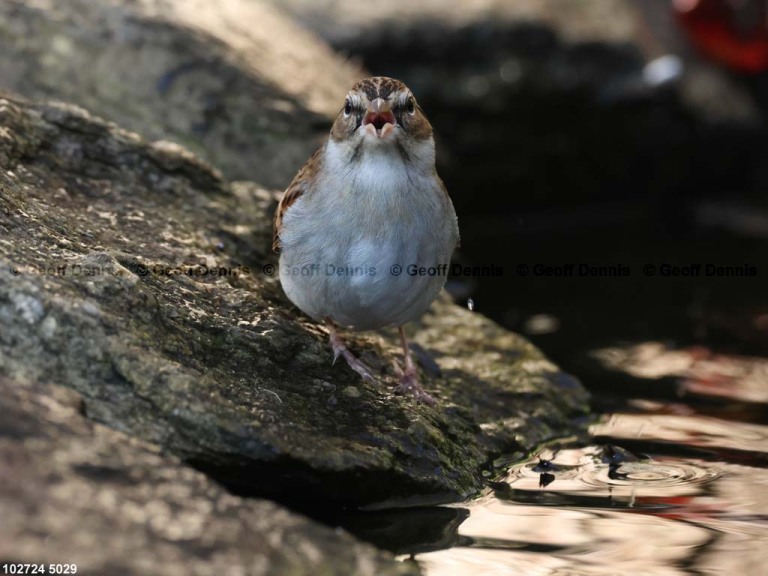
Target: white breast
(348, 245)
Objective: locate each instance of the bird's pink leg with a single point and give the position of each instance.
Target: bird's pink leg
(409, 379)
(340, 349)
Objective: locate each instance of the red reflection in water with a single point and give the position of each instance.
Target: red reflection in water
(691, 508)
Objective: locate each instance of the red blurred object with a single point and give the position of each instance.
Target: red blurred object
(730, 32)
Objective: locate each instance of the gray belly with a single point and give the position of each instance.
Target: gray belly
(366, 283)
(369, 249)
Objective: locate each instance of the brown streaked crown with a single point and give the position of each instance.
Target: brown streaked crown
(379, 87)
(396, 93)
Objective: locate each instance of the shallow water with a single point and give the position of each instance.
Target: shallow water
(657, 493)
(659, 488)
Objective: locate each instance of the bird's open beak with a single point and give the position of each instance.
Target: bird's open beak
(378, 119)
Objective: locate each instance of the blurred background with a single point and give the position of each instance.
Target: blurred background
(601, 132)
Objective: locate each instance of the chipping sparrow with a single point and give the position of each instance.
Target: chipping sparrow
(366, 229)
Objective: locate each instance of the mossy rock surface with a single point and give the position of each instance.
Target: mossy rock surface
(136, 275)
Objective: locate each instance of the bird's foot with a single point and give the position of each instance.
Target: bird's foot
(410, 385)
(340, 349)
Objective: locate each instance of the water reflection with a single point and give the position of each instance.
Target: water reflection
(408, 531)
(566, 541)
(640, 500)
(676, 484)
(597, 480)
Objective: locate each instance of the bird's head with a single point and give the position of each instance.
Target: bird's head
(382, 112)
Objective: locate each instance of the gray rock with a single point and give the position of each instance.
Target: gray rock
(344, 22)
(136, 275)
(233, 80)
(81, 494)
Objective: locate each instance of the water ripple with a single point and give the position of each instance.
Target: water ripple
(587, 476)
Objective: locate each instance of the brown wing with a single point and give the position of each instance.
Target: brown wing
(294, 191)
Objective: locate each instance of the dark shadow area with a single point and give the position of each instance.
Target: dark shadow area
(408, 531)
(417, 528)
(604, 199)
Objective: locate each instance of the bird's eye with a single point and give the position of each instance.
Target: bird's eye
(347, 107)
(411, 106)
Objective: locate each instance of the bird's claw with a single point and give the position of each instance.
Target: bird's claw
(361, 368)
(409, 385)
(339, 349)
